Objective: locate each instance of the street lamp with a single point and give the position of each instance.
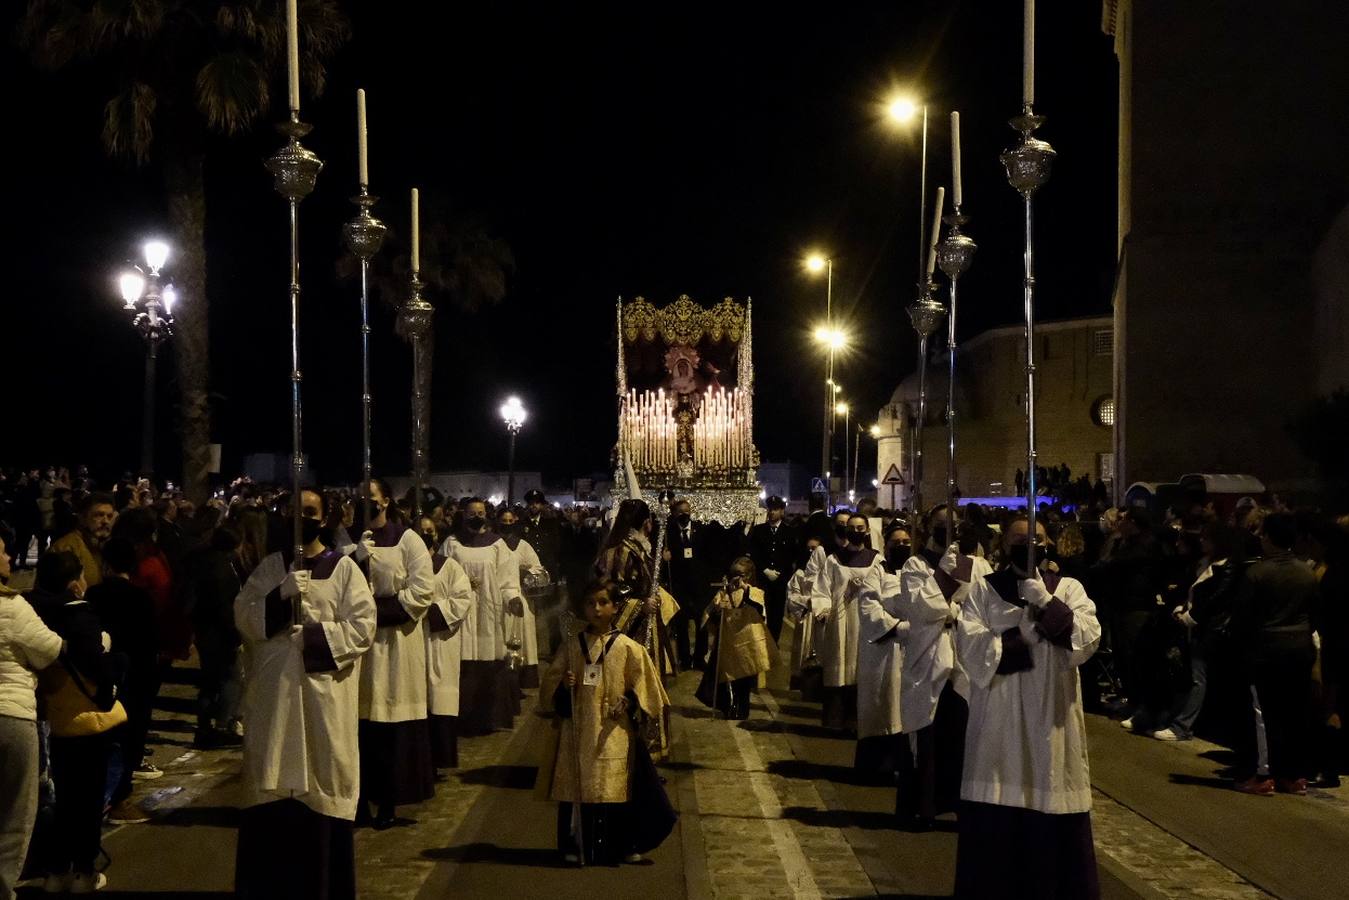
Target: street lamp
(833, 340)
(513, 414)
(841, 409)
(151, 309)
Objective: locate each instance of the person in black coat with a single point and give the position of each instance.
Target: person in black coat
(690, 559)
(773, 548)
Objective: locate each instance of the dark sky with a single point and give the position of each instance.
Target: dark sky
(620, 150)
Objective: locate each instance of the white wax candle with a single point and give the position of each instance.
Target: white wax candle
(956, 194)
(416, 231)
(1028, 53)
(361, 147)
(936, 232)
(293, 54)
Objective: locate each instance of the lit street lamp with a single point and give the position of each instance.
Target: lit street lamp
(151, 311)
(833, 340)
(513, 414)
(841, 409)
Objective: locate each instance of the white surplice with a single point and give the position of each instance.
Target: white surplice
(532, 573)
(453, 597)
(880, 656)
(1026, 743)
(495, 577)
(300, 742)
(393, 673)
(837, 594)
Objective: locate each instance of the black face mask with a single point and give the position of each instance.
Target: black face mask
(508, 529)
(1019, 555)
(856, 538)
(475, 523)
(939, 536)
(429, 539)
(967, 543)
(897, 555)
(683, 519)
(310, 530)
(841, 531)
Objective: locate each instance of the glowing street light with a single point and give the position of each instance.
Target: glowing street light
(513, 414)
(156, 255)
(901, 109)
(833, 340)
(151, 311)
(815, 263)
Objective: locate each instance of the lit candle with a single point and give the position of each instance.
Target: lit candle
(416, 231)
(364, 167)
(936, 232)
(956, 194)
(1028, 53)
(293, 54)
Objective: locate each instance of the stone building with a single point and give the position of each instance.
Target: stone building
(1074, 411)
(1233, 234)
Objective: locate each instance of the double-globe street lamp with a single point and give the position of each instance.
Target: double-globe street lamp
(513, 414)
(151, 309)
(834, 340)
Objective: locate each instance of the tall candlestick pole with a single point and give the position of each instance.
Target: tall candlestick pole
(362, 162)
(414, 321)
(416, 232)
(294, 171)
(1028, 165)
(925, 314)
(1028, 54)
(936, 232)
(957, 195)
(293, 55)
(954, 256)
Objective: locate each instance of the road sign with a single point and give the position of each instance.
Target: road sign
(892, 475)
(817, 486)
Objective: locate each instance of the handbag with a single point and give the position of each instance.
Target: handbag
(71, 708)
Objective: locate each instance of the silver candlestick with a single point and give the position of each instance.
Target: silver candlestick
(364, 236)
(925, 314)
(954, 255)
(294, 171)
(414, 321)
(1028, 165)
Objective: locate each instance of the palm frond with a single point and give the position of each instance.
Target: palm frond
(231, 91)
(53, 33)
(115, 22)
(128, 122)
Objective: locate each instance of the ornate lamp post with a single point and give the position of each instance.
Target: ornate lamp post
(833, 340)
(151, 311)
(925, 314)
(513, 414)
(414, 322)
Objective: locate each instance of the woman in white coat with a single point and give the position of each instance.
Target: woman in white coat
(396, 764)
(835, 601)
(1025, 823)
(453, 597)
(304, 628)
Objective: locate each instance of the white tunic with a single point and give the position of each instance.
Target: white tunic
(301, 737)
(495, 577)
(393, 673)
(454, 598)
(837, 594)
(929, 649)
(880, 656)
(799, 587)
(532, 574)
(1026, 744)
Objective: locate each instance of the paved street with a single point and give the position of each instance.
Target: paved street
(769, 808)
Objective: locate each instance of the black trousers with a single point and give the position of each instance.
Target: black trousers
(775, 602)
(139, 699)
(287, 850)
(1284, 685)
(690, 653)
(80, 770)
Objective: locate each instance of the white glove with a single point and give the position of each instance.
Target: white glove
(295, 583)
(1034, 592)
(364, 548)
(950, 559)
(900, 632)
(107, 641)
(771, 574)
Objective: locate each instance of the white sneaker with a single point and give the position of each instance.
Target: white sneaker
(1168, 734)
(56, 884)
(633, 858)
(571, 858)
(1127, 724)
(147, 771)
(88, 883)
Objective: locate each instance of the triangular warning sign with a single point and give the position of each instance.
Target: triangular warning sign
(892, 475)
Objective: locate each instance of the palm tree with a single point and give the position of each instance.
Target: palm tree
(177, 71)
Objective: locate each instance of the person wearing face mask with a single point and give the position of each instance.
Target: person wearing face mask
(305, 624)
(489, 690)
(933, 584)
(1025, 823)
(772, 546)
(534, 581)
(396, 766)
(453, 598)
(687, 558)
(880, 664)
(834, 601)
(819, 545)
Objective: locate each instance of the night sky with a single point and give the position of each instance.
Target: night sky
(619, 150)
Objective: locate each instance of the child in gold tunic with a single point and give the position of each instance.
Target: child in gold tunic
(599, 685)
(741, 651)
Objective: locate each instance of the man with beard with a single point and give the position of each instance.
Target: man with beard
(97, 514)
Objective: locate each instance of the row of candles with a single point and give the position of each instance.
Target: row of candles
(650, 433)
(721, 438)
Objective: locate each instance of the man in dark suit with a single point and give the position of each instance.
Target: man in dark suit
(818, 529)
(543, 531)
(773, 547)
(690, 558)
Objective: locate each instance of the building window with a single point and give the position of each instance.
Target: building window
(1103, 341)
(1103, 412)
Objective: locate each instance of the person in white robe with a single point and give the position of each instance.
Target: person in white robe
(453, 597)
(396, 764)
(489, 690)
(880, 664)
(835, 601)
(806, 675)
(305, 628)
(1025, 825)
(534, 579)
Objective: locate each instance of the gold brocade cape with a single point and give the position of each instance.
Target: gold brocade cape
(606, 740)
(749, 648)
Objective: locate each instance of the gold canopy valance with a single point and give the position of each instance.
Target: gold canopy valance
(683, 321)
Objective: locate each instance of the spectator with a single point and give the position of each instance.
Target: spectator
(213, 584)
(96, 517)
(1271, 623)
(154, 575)
(26, 646)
